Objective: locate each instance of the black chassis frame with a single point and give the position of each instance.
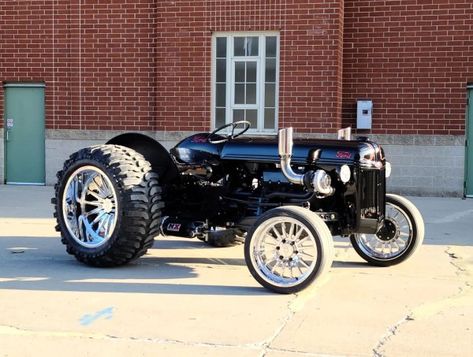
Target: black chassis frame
(231, 184)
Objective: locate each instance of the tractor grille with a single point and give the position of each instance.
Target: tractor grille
(372, 193)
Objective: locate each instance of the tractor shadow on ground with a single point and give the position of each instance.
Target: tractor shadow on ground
(40, 263)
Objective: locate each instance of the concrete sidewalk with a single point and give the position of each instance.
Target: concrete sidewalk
(184, 298)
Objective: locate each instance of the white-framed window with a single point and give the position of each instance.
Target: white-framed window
(245, 80)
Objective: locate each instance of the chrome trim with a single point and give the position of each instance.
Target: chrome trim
(90, 206)
(285, 144)
(283, 251)
(321, 182)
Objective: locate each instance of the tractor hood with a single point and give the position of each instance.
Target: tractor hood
(195, 149)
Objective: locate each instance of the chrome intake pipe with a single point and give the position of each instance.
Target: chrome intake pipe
(319, 180)
(285, 144)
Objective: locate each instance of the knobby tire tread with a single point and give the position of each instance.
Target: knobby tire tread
(140, 197)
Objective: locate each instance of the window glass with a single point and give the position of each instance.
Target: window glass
(251, 94)
(239, 94)
(245, 46)
(271, 43)
(238, 114)
(269, 119)
(252, 117)
(221, 70)
(251, 71)
(220, 97)
(270, 75)
(221, 47)
(269, 95)
(219, 117)
(240, 72)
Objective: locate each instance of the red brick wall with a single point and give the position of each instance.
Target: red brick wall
(310, 74)
(25, 45)
(413, 59)
(97, 59)
(145, 65)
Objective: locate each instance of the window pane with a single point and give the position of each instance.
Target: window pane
(251, 72)
(240, 72)
(270, 75)
(221, 70)
(269, 119)
(239, 94)
(220, 95)
(219, 117)
(252, 46)
(239, 46)
(251, 116)
(271, 44)
(269, 95)
(221, 47)
(245, 46)
(238, 114)
(251, 94)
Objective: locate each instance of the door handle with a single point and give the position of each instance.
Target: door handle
(8, 135)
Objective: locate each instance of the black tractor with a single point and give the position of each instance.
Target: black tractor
(283, 199)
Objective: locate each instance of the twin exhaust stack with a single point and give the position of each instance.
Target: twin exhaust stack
(319, 180)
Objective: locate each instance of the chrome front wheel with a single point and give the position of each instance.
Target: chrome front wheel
(398, 239)
(288, 248)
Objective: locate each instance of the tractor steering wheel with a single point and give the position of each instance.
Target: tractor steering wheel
(221, 138)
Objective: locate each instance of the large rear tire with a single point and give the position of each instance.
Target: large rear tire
(401, 236)
(107, 205)
(288, 248)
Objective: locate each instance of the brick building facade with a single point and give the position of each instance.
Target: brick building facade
(151, 66)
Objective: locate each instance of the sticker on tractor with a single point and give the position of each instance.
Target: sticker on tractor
(174, 227)
(343, 155)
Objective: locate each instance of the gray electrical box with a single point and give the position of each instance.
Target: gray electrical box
(364, 111)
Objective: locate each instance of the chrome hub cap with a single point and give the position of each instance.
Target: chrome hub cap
(89, 206)
(392, 239)
(284, 251)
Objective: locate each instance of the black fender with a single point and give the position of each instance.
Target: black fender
(159, 158)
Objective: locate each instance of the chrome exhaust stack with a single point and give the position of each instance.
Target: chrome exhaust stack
(285, 153)
(318, 181)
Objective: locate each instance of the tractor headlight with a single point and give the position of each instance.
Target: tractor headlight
(345, 173)
(387, 167)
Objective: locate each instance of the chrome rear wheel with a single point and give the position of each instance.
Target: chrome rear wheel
(89, 206)
(107, 205)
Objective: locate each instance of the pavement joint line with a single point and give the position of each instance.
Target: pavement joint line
(7, 330)
(392, 331)
(294, 306)
(303, 353)
(429, 309)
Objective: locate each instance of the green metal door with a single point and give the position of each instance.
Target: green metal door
(469, 145)
(24, 133)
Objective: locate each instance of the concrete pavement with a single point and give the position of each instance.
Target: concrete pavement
(184, 298)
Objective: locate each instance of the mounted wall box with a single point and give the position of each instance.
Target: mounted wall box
(364, 110)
